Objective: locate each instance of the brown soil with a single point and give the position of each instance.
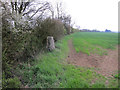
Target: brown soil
(105, 65)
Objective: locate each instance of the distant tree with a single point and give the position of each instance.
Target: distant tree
(66, 19)
(107, 30)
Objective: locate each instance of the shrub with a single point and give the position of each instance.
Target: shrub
(12, 82)
(68, 28)
(50, 27)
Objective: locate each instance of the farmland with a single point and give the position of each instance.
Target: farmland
(87, 42)
(53, 69)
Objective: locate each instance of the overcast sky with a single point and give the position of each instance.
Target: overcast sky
(93, 14)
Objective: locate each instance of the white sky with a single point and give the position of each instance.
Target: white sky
(93, 14)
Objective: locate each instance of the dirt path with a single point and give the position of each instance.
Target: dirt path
(105, 65)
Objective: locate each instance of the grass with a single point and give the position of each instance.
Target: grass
(94, 42)
(50, 69)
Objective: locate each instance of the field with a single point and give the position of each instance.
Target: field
(53, 69)
(95, 50)
(94, 42)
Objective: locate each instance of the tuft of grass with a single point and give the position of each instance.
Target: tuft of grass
(99, 85)
(117, 76)
(113, 83)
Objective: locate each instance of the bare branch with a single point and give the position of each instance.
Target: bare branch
(42, 8)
